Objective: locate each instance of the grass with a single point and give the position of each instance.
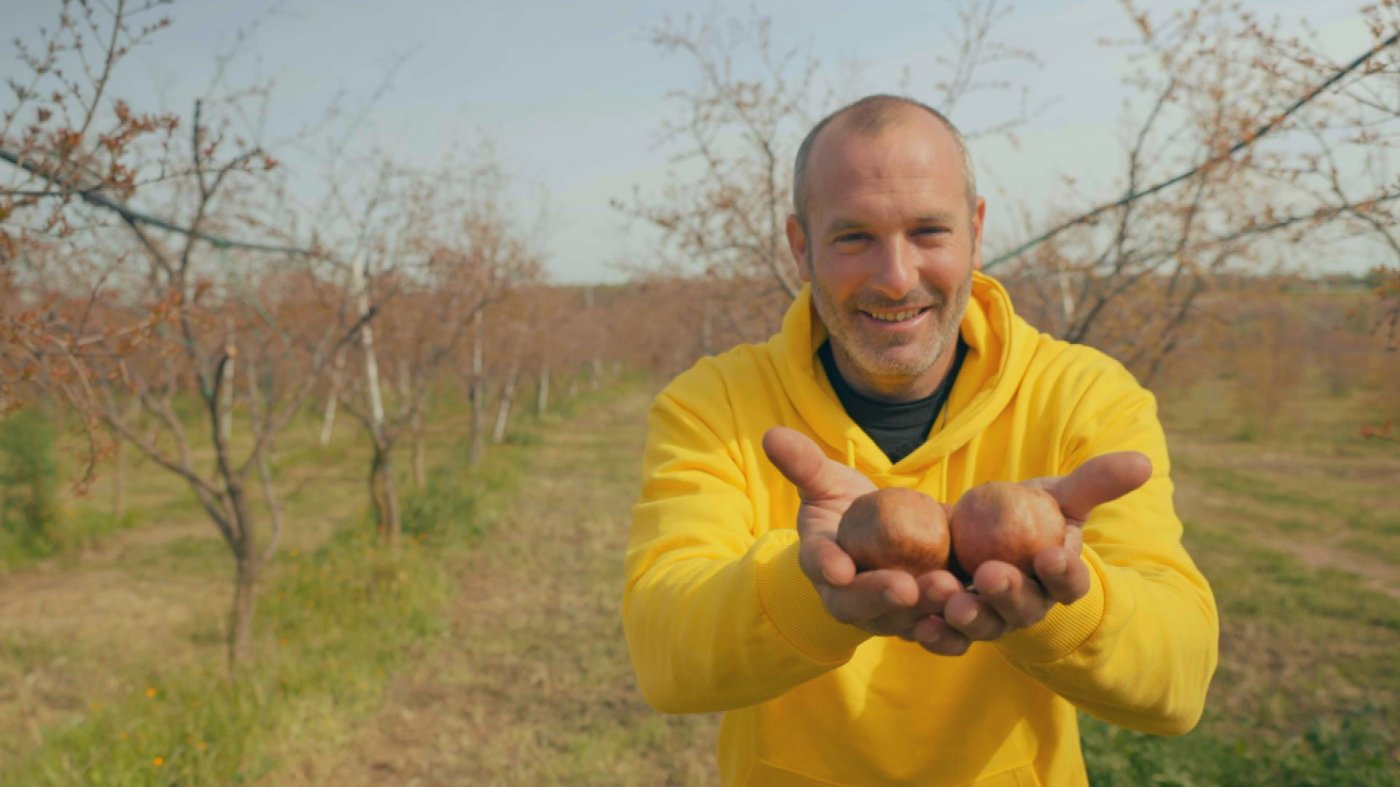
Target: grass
(1297, 530)
(335, 620)
(1354, 749)
(1303, 655)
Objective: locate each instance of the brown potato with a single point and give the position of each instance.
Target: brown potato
(895, 528)
(1004, 521)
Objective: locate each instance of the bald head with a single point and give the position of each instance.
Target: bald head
(869, 117)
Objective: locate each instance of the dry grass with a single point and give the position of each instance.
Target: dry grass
(533, 685)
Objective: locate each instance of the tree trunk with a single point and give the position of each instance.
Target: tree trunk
(385, 496)
(226, 381)
(542, 393)
(503, 408)
(337, 374)
(420, 454)
(245, 585)
(478, 395)
(119, 479)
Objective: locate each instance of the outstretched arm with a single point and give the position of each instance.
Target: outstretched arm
(719, 610)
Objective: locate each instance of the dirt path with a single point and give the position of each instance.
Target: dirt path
(533, 685)
(1321, 536)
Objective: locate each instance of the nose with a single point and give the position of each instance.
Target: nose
(895, 271)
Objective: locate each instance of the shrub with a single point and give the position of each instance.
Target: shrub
(28, 482)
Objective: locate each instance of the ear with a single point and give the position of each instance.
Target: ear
(977, 218)
(797, 244)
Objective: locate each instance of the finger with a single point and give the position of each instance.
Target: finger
(1099, 480)
(1074, 538)
(974, 617)
(871, 595)
(801, 461)
(935, 636)
(1014, 597)
(823, 560)
(899, 623)
(935, 589)
(1062, 573)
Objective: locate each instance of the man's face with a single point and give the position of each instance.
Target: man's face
(889, 250)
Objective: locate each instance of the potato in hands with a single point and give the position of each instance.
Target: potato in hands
(908, 530)
(895, 528)
(1007, 522)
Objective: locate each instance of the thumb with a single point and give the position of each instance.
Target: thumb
(800, 460)
(1100, 480)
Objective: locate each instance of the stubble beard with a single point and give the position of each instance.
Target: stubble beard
(872, 358)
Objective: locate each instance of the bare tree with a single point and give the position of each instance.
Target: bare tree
(162, 306)
(1250, 153)
(724, 210)
(442, 251)
(722, 215)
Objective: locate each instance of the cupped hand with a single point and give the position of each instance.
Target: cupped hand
(882, 602)
(1002, 598)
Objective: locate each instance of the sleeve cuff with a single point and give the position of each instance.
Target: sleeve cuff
(1064, 629)
(796, 610)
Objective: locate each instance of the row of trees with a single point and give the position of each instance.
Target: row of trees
(164, 278)
(1248, 149)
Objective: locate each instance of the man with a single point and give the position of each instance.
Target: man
(901, 365)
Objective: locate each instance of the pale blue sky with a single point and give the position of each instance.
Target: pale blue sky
(573, 94)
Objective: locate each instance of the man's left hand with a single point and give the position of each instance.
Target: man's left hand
(1005, 599)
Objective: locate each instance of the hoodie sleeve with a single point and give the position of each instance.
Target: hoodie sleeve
(716, 617)
(1140, 649)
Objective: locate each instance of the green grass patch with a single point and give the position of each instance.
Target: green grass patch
(1304, 693)
(68, 533)
(333, 625)
(1357, 749)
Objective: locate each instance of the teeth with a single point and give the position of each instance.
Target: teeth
(895, 316)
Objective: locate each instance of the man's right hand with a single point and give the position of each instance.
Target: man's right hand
(882, 602)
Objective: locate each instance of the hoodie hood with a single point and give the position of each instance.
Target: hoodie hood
(1000, 347)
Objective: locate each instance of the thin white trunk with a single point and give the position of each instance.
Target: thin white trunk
(542, 394)
(376, 400)
(503, 409)
(478, 393)
(1066, 301)
(597, 361)
(226, 381)
(332, 398)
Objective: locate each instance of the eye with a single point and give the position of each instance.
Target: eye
(931, 230)
(851, 237)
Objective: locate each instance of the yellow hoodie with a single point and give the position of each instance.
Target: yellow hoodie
(719, 617)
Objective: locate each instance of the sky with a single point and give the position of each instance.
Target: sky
(573, 95)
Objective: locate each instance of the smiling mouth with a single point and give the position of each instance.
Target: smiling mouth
(899, 316)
